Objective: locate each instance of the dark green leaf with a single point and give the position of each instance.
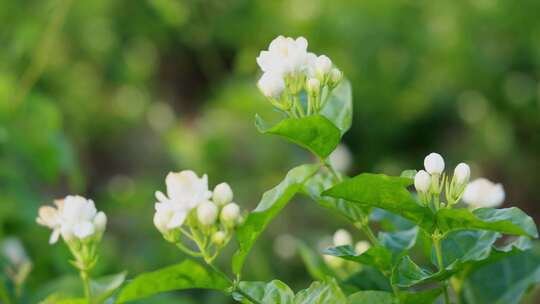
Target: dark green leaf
(272, 202)
(385, 192)
(376, 256)
(273, 292)
(407, 273)
(315, 133)
(398, 241)
(420, 297)
(505, 281)
(324, 180)
(339, 108)
(509, 220)
(465, 246)
(186, 275)
(367, 278)
(315, 265)
(372, 297)
(105, 287)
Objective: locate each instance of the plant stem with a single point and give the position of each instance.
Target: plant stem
(436, 237)
(86, 285)
(370, 235)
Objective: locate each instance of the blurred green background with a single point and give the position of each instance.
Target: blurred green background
(103, 98)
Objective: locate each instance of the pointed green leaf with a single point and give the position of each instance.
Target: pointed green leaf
(315, 133)
(384, 192)
(376, 256)
(508, 220)
(272, 202)
(371, 297)
(339, 108)
(186, 275)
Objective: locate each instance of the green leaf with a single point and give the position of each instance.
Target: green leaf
(375, 256)
(272, 202)
(315, 133)
(324, 180)
(186, 275)
(315, 265)
(420, 297)
(508, 220)
(407, 273)
(399, 241)
(321, 293)
(104, 287)
(505, 281)
(273, 292)
(339, 108)
(464, 246)
(371, 297)
(368, 278)
(385, 192)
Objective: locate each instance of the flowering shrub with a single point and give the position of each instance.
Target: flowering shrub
(454, 221)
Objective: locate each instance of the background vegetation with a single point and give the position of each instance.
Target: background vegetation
(103, 98)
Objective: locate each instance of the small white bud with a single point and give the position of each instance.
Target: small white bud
(434, 163)
(342, 237)
(219, 237)
(422, 181)
(361, 247)
(323, 65)
(230, 213)
(100, 221)
(335, 77)
(222, 194)
(271, 85)
(313, 85)
(462, 173)
(207, 213)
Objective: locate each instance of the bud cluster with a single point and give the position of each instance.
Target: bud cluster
(431, 182)
(81, 226)
(190, 211)
(291, 73)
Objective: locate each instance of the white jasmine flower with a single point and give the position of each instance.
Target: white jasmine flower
(341, 158)
(422, 181)
(323, 65)
(483, 193)
(83, 230)
(342, 237)
(313, 85)
(230, 213)
(462, 172)
(285, 55)
(207, 213)
(185, 191)
(434, 163)
(361, 247)
(223, 194)
(271, 85)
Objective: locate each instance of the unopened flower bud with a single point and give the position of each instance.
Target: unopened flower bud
(271, 85)
(323, 65)
(361, 247)
(422, 181)
(222, 194)
(434, 163)
(230, 213)
(342, 237)
(313, 85)
(207, 213)
(335, 77)
(100, 221)
(462, 173)
(218, 237)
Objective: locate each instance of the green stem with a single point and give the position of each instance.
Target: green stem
(370, 235)
(86, 285)
(335, 174)
(438, 252)
(187, 250)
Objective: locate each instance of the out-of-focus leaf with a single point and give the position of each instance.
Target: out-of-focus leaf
(398, 241)
(315, 133)
(390, 221)
(322, 181)
(315, 265)
(321, 293)
(411, 173)
(508, 220)
(339, 108)
(371, 297)
(105, 287)
(385, 192)
(186, 275)
(272, 202)
(367, 278)
(376, 256)
(504, 281)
